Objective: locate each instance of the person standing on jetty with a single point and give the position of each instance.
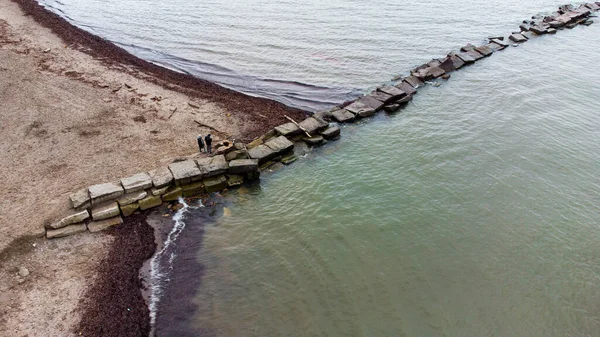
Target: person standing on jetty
(208, 141)
(200, 143)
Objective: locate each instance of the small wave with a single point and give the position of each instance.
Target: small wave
(292, 93)
(159, 270)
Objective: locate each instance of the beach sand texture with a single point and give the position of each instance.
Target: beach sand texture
(69, 119)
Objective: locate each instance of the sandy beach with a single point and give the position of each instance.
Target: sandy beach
(77, 111)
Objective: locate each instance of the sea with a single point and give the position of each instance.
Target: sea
(473, 211)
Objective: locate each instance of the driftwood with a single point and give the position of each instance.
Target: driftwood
(172, 113)
(298, 125)
(208, 127)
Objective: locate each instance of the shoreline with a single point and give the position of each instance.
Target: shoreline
(113, 56)
(105, 292)
(109, 105)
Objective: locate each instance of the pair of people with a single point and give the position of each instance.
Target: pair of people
(207, 140)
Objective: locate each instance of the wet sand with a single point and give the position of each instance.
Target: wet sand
(76, 111)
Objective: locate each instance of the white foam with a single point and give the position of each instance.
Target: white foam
(159, 275)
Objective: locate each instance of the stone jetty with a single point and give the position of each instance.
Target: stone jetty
(101, 206)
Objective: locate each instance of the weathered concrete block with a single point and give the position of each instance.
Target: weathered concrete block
(150, 202)
(185, 172)
(173, 194)
(525, 27)
(343, 116)
(281, 144)
(447, 65)
(237, 154)
(381, 96)
(517, 38)
(97, 226)
(429, 73)
(457, 62)
(212, 166)
(314, 140)
(136, 182)
(159, 191)
(413, 81)
(69, 220)
(241, 166)
(65, 231)
(360, 109)
(290, 158)
(161, 177)
(500, 42)
(466, 58)
(494, 46)
(551, 31)
(127, 210)
(288, 129)
(539, 30)
(313, 125)
(130, 198)
(234, 180)
(407, 88)
(323, 114)
(262, 153)
(484, 50)
(404, 100)
(81, 199)
(331, 132)
(215, 184)
(393, 92)
(474, 54)
(107, 211)
(192, 189)
(467, 48)
(105, 192)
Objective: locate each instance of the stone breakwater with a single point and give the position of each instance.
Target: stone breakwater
(102, 206)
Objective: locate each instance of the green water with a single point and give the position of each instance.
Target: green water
(473, 212)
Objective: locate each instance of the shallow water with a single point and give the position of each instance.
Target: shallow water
(473, 212)
(310, 54)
